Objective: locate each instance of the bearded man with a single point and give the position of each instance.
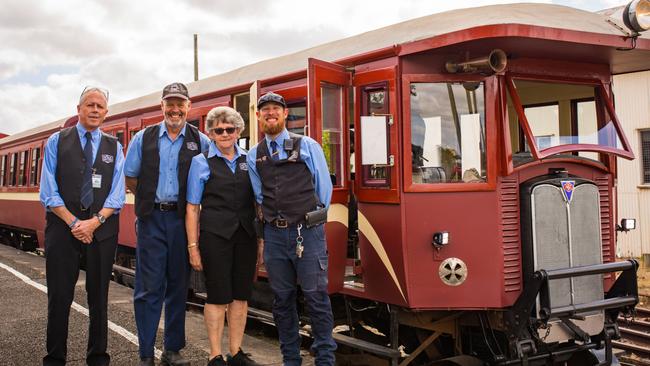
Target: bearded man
(156, 169)
(290, 179)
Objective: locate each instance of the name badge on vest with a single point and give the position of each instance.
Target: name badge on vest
(243, 166)
(107, 158)
(97, 180)
(192, 146)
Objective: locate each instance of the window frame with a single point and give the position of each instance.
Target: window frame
(600, 94)
(12, 165)
(364, 91)
(490, 98)
(34, 176)
(644, 183)
(21, 177)
(3, 169)
(378, 194)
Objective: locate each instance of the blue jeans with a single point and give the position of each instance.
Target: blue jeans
(161, 276)
(285, 272)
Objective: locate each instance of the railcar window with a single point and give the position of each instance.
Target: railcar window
(375, 103)
(560, 114)
(12, 169)
(33, 174)
(297, 118)
(242, 106)
(332, 139)
(645, 155)
(22, 169)
(120, 136)
(448, 133)
(3, 170)
(194, 122)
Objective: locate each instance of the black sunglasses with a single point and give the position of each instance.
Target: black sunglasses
(219, 130)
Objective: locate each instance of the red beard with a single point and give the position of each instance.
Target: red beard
(272, 129)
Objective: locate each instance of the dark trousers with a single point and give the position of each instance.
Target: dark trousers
(63, 256)
(285, 272)
(161, 275)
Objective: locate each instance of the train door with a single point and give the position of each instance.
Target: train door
(378, 268)
(327, 106)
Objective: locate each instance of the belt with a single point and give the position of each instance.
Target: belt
(280, 223)
(166, 206)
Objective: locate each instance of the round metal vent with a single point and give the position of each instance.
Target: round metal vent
(452, 271)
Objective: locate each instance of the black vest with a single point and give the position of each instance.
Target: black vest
(228, 200)
(145, 195)
(287, 188)
(69, 176)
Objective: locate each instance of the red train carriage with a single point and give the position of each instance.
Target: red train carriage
(473, 155)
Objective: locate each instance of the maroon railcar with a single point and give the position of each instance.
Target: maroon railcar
(473, 155)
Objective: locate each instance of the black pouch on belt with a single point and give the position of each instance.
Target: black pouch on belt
(316, 217)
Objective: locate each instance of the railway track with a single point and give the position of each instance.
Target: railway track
(635, 337)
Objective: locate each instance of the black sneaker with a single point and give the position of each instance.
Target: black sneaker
(217, 361)
(146, 361)
(171, 358)
(241, 359)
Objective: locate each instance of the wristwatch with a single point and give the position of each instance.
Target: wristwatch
(101, 218)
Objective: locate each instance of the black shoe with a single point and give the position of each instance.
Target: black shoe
(241, 359)
(217, 361)
(146, 361)
(171, 358)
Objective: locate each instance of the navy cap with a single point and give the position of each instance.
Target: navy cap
(271, 97)
(175, 90)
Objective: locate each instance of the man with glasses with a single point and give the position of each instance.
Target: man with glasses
(156, 169)
(82, 197)
(292, 185)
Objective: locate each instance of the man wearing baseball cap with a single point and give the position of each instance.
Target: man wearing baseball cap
(156, 169)
(293, 188)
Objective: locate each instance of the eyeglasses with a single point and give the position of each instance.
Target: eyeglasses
(89, 89)
(220, 130)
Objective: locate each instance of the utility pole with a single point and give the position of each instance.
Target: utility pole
(196, 57)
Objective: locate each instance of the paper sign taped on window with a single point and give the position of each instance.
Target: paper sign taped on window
(374, 148)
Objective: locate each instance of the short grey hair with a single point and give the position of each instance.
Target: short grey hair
(224, 115)
(91, 89)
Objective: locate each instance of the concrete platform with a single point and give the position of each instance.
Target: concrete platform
(23, 320)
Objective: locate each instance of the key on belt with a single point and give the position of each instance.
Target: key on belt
(299, 247)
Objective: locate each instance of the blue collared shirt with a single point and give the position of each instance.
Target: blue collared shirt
(49, 190)
(200, 171)
(167, 190)
(310, 152)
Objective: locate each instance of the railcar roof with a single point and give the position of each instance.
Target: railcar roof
(542, 15)
(52, 126)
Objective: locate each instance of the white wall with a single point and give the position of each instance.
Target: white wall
(632, 100)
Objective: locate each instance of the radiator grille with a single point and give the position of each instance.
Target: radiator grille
(509, 207)
(568, 236)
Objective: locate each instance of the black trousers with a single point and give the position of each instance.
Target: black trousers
(63, 257)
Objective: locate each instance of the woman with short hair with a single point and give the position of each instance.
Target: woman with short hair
(220, 198)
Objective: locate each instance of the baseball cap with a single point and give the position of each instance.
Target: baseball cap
(271, 97)
(175, 90)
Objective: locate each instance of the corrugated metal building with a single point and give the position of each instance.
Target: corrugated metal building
(632, 98)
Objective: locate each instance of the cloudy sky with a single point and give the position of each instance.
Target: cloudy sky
(51, 49)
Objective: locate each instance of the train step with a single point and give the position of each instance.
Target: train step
(342, 339)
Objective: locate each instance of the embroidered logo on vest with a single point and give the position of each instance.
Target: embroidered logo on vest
(107, 158)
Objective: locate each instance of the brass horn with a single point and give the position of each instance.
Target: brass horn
(495, 62)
